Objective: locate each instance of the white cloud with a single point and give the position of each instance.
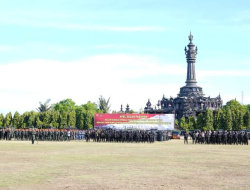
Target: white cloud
(24, 84)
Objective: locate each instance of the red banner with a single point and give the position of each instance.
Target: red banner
(134, 121)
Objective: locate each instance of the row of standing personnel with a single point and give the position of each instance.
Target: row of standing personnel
(218, 137)
(99, 135)
(111, 135)
(41, 134)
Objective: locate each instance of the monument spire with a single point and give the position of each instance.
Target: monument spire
(191, 53)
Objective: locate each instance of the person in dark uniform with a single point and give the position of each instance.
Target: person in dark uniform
(246, 137)
(186, 138)
(33, 135)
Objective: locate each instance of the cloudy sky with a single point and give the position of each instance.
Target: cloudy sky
(126, 50)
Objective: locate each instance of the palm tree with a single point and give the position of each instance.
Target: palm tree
(44, 106)
(103, 104)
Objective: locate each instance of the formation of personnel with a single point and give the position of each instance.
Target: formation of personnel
(218, 137)
(111, 135)
(41, 134)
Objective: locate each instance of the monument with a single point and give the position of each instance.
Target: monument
(191, 100)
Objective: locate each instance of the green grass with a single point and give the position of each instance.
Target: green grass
(162, 165)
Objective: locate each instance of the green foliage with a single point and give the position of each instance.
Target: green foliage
(208, 120)
(7, 119)
(63, 120)
(191, 123)
(228, 120)
(38, 123)
(54, 118)
(183, 124)
(233, 116)
(44, 106)
(71, 119)
(246, 119)
(200, 122)
(176, 122)
(219, 120)
(31, 118)
(239, 120)
(66, 105)
(237, 112)
(17, 120)
(1, 120)
(247, 107)
(25, 118)
(88, 120)
(80, 117)
(235, 105)
(90, 110)
(103, 104)
(46, 119)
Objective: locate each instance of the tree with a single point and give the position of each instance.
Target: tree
(88, 121)
(55, 118)
(176, 122)
(237, 113)
(228, 120)
(183, 124)
(25, 118)
(80, 117)
(16, 120)
(38, 122)
(63, 120)
(247, 107)
(219, 120)
(200, 121)
(88, 115)
(44, 106)
(235, 105)
(1, 120)
(247, 119)
(103, 104)
(65, 106)
(191, 123)
(208, 120)
(7, 119)
(71, 119)
(46, 119)
(239, 120)
(31, 118)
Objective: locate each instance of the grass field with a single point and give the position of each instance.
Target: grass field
(162, 165)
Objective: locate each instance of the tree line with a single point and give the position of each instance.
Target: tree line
(232, 116)
(63, 114)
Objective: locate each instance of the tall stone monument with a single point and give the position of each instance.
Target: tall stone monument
(190, 101)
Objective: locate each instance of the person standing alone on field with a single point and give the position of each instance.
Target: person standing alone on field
(186, 138)
(33, 136)
(68, 135)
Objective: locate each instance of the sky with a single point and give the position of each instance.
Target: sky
(130, 51)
